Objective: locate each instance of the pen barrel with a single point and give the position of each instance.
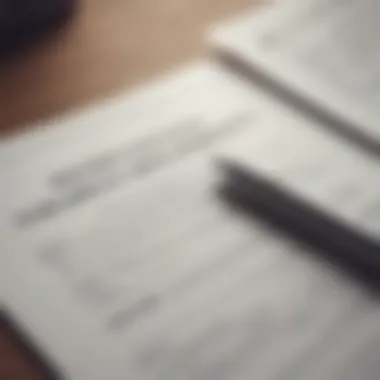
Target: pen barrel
(253, 195)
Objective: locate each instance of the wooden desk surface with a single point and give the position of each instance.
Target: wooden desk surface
(109, 45)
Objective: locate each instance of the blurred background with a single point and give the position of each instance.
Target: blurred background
(102, 46)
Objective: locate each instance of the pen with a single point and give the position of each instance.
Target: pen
(250, 193)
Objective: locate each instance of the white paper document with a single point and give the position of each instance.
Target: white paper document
(118, 260)
(325, 52)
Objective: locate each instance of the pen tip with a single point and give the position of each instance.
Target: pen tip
(224, 164)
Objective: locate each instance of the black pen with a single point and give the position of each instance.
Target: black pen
(254, 195)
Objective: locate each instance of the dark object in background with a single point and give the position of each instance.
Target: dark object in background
(24, 21)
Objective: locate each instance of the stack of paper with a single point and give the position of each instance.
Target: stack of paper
(325, 52)
(118, 259)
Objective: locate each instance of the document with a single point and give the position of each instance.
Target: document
(324, 52)
(119, 261)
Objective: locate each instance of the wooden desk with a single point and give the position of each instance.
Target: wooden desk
(109, 45)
